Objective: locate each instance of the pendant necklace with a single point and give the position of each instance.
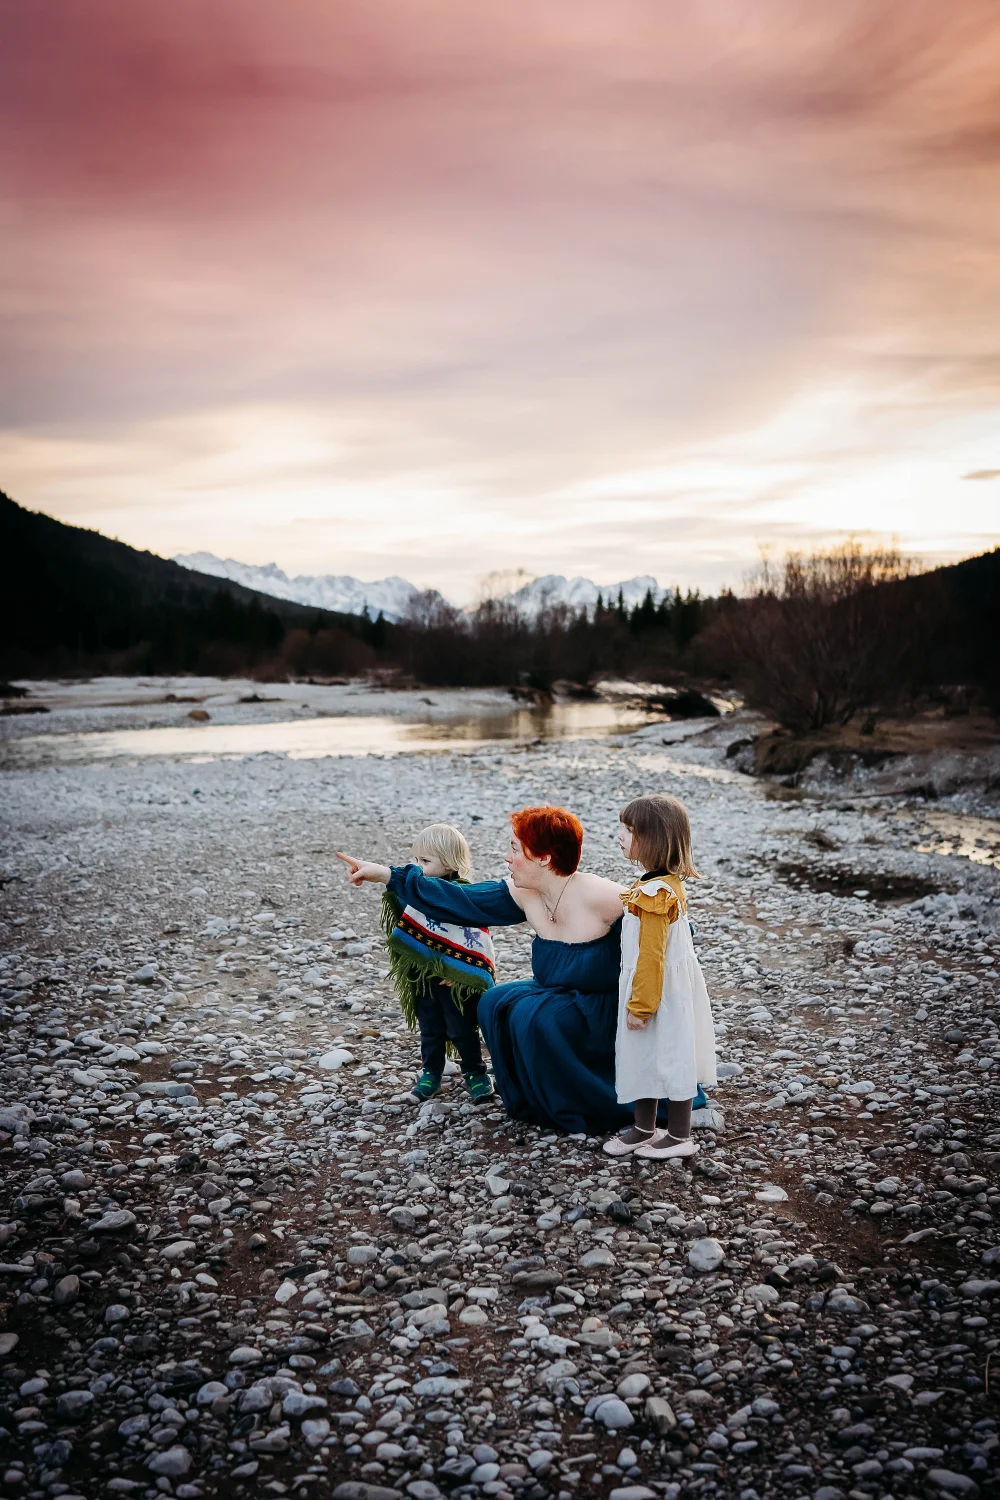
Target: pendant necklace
(551, 914)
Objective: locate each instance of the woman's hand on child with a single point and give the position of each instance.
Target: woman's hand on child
(358, 870)
(636, 1023)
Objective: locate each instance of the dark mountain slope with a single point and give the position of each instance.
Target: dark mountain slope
(959, 608)
(72, 600)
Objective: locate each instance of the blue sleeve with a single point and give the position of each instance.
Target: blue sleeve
(487, 904)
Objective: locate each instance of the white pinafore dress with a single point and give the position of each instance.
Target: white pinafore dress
(676, 1049)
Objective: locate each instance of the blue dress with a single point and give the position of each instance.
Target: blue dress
(551, 1037)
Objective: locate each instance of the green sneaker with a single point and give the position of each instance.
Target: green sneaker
(480, 1086)
(426, 1086)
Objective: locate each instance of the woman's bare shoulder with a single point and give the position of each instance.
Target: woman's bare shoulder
(603, 894)
(597, 882)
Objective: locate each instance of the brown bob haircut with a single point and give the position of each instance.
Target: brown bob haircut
(661, 834)
(554, 831)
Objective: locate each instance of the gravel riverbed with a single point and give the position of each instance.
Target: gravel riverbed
(235, 1260)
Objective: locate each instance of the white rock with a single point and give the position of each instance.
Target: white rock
(771, 1193)
(706, 1255)
(227, 1139)
(178, 1249)
(633, 1385)
(599, 1257)
(210, 1391)
(338, 1057)
(437, 1385)
(246, 1355)
(315, 1430)
(762, 1293)
(614, 1414)
(173, 1462)
(473, 1316)
(361, 1255)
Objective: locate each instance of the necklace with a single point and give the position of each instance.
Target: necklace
(551, 911)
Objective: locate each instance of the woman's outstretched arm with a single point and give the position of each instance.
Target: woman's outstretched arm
(489, 903)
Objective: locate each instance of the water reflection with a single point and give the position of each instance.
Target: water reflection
(977, 839)
(306, 739)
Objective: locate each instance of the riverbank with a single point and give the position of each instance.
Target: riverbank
(236, 1256)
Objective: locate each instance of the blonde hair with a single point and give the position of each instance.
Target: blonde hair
(448, 845)
(661, 834)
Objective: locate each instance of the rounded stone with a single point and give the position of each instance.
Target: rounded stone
(633, 1385)
(762, 1293)
(705, 1255)
(171, 1464)
(613, 1414)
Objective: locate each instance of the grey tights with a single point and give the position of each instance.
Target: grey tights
(678, 1117)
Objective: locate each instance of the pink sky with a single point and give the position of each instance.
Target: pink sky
(422, 287)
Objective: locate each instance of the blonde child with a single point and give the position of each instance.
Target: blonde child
(439, 971)
(666, 1040)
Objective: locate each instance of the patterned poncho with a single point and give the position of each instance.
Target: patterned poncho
(422, 950)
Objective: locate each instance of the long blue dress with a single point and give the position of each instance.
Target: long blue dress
(552, 1037)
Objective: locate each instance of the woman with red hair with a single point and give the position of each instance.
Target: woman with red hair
(551, 1037)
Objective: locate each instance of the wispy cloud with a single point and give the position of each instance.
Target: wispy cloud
(415, 287)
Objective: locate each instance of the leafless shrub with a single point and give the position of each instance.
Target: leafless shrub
(824, 636)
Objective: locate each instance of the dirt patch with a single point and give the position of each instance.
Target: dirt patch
(876, 887)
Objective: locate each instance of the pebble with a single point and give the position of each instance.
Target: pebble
(614, 1414)
(336, 1058)
(952, 1483)
(706, 1254)
(171, 1464)
(598, 1258)
(72, 1405)
(633, 1385)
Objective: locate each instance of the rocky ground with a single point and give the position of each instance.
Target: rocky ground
(236, 1261)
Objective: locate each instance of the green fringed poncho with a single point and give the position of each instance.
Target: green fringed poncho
(421, 951)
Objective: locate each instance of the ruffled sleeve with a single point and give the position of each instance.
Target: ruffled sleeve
(486, 904)
(655, 911)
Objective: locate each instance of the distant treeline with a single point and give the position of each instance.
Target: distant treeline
(496, 644)
(815, 641)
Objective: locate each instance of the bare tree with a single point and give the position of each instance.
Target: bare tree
(826, 635)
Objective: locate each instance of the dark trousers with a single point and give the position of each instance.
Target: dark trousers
(439, 1018)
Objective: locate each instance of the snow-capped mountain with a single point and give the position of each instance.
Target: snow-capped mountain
(581, 593)
(344, 594)
(394, 596)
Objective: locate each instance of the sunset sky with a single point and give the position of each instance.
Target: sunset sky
(433, 288)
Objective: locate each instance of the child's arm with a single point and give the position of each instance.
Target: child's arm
(360, 870)
(655, 915)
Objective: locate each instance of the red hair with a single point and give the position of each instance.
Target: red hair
(553, 831)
